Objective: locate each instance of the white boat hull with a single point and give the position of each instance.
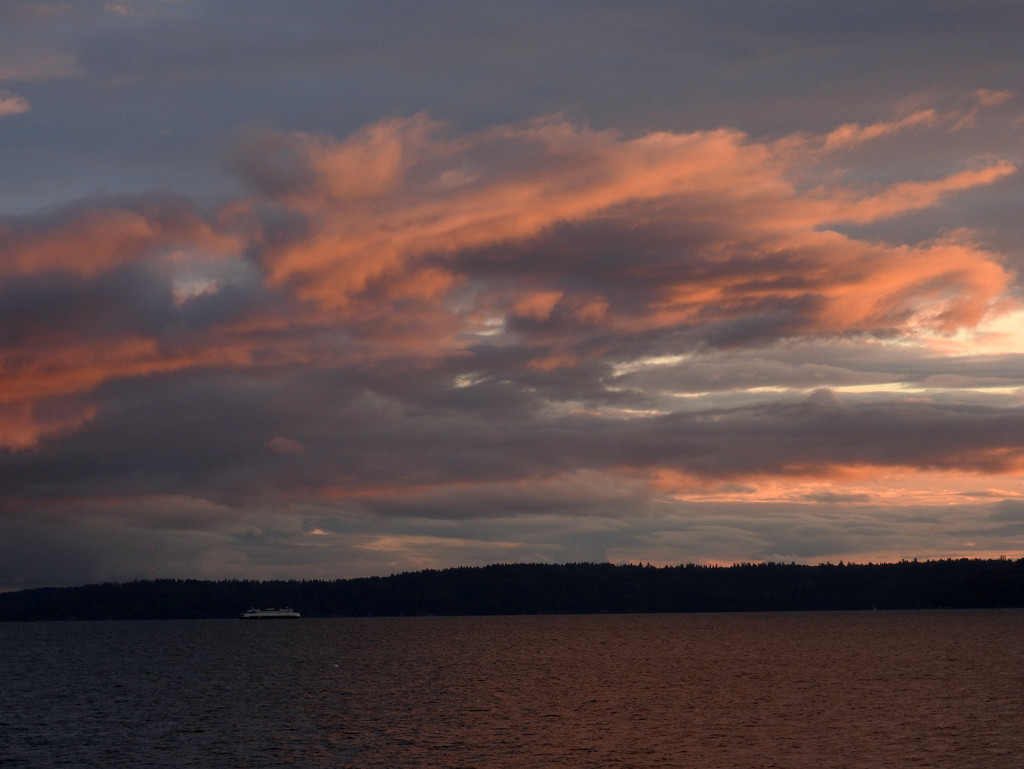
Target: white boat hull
(285, 613)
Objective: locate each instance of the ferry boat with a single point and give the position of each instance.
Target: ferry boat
(283, 613)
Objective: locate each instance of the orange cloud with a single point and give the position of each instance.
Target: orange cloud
(851, 134)
(536, 304)
(404, 241)
(62, 368)
(983, 98)
(12, 104)
(97, 237)
(22, 425)
(282, 445)
(904, 197)
(943, 285)
(396, 195)
(510, 184)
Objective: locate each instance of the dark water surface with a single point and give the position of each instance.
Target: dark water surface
(872, 689)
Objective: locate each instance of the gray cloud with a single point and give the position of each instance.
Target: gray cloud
(475, 282)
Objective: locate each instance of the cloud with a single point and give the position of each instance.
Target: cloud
(96, 236)
(536, 321)
(717, 228)
(540, 246)
(283, 445)
(852, 134)
(828, 497)
(12, 104)
(982, 98)
(19, 63)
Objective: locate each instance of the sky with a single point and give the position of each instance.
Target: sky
(319, 290)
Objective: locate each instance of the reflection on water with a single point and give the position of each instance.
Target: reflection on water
(873, 689)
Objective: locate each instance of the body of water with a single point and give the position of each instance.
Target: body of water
(856, 689)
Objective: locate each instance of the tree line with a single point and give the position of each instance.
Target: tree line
(531, 588)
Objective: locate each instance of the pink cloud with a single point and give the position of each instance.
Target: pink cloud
(404, 240)
(96, 237)
(851, 134)
(398, 196)
(12, 104)
(281, 445)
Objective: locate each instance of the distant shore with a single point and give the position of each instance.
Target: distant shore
(549, 589)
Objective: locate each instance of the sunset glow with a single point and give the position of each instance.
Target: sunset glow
(340, 310)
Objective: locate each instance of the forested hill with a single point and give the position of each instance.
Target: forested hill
(545, 588)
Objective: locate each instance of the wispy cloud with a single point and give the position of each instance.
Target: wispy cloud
(21, 64)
